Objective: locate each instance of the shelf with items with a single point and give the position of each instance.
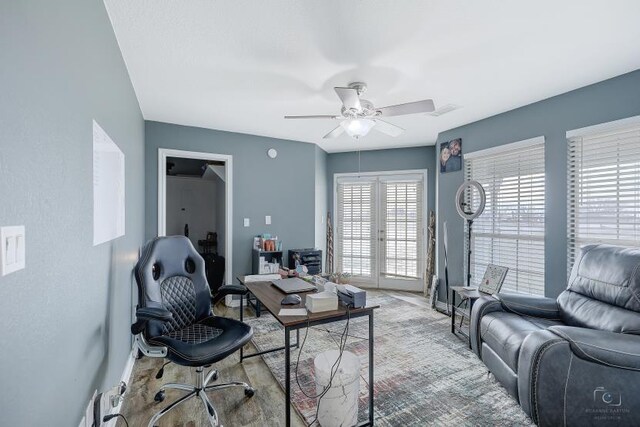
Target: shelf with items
(266, 262)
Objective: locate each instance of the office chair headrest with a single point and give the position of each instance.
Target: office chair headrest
(171, 272)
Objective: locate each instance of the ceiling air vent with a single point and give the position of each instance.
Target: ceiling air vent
(444, 110)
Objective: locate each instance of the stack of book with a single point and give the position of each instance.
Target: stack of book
(322, 301)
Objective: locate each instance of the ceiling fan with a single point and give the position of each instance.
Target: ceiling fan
(358, 116)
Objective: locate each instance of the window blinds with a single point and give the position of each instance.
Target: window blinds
(402, 203)
(356, 227)
(604, 189)
(510, 232)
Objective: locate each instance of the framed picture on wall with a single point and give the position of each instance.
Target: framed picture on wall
(451, 156)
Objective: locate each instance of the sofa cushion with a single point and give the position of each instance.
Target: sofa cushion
(581, 311)
(607, 273)
(505, 332)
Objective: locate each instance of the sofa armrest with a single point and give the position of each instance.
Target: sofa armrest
(602, 347)
(543, 364)
(529, 305)
(484, 305)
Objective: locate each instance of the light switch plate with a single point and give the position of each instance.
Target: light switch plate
(246, 222)
(267, 219)
(12, 249)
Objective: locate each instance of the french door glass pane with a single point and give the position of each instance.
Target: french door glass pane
(402, 228)
(356, 228)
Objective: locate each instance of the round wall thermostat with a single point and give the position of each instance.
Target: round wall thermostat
(272, 153)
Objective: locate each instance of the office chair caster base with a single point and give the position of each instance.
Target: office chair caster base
(211, 376)
(199, 389)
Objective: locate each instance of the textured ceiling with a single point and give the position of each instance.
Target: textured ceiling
(241, 65)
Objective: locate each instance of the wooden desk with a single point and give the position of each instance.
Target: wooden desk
(270, 297)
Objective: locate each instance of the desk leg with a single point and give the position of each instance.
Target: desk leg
(453, 312)
(371, 368)
(287, 378)
(241, 319)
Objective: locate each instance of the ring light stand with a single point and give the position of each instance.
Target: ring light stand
(464, 210)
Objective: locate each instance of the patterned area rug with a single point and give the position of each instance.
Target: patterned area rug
(423, 374)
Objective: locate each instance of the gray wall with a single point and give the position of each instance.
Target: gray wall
(281, 187)
(606, 101)
(383, 160)
(66, 317)
(321, 202)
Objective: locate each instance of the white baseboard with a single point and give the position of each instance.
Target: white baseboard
(126, 376)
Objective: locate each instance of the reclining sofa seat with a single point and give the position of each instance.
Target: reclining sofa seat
(574, 360)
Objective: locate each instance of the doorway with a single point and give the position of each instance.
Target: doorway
(380, 228)
(192, 186)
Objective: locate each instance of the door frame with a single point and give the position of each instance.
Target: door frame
(163, 154)
(425, 214)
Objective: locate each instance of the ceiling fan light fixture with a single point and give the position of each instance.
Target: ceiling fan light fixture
(357, 128)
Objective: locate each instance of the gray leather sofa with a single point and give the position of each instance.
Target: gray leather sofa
(574, 361)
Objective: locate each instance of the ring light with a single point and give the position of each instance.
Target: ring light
(461, 204)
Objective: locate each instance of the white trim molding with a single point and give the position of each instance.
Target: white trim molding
(163, 154)
(125, 378)
(501, 148)
(604, 127)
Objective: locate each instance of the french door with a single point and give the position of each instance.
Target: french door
(380, 233)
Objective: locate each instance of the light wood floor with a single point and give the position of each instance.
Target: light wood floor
(265, 408)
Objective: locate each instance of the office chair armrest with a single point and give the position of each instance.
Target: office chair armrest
(151, 312)
(228, 290)
(154, 313)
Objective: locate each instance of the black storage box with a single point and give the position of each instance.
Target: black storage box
(311, 258)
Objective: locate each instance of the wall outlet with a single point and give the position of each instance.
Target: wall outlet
(246, 222)
(104, 404)
(267, 219)
(12, 249)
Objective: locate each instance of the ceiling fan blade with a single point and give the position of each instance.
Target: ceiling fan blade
(388, 128)
(349, 98)
(424, 106)
(334, 133)
(317, 116)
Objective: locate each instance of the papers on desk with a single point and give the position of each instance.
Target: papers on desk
(322, 301)
(261, 278)
(292, 312)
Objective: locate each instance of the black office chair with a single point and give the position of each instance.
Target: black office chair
(174, 319)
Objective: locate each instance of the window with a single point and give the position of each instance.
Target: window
(356, 227)
(603, 186)
(510, 232)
